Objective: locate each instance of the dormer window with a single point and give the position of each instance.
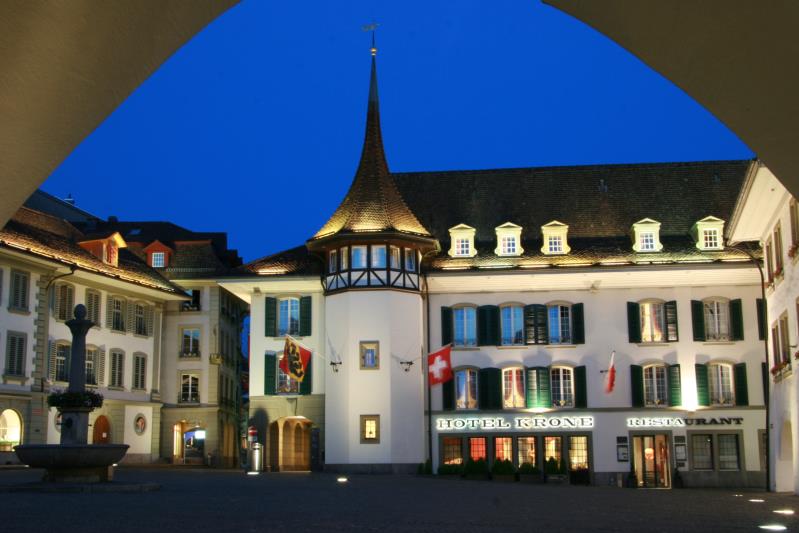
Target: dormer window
(105, 249)
(509, 237)
(555, 238)
(462, 241)
(111, 253)
(646, 236)
(158, 254)
(708, 233)
(159, 259)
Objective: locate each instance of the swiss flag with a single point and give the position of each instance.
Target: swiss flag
(439, 366)
(295, 359)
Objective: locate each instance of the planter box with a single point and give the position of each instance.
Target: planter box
(531, 478)
(504, 478)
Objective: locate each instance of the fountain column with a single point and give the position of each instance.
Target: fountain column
(75, 420)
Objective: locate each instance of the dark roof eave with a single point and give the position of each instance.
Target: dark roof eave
(328, 241)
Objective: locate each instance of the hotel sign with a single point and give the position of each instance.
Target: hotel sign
(679, 422)
(516, 423)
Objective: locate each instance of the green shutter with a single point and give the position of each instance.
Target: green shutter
(307, 381)
(675, 385)
(270, 373)
(580, 387)
(698, 320)
(448, 395)
(51, 360)
(761, 319)
(741, 388)
(489, 386)
(488, 325)
(446, 325)
(736, 320)
(270, 317)
(535, 324)
(544, 396)
(672, 331)
(637, 385)
(530, 392)
(305, 316)
(765, 378)
(578, 324)
(702, 389)
(634, 322)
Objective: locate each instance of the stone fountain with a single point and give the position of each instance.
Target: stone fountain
(74, 461)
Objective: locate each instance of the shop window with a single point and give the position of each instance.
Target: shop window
(559, 324)
(720, 384)
(503, 448)
(553, 447)
(370, 429)
(466, 389)
(288, 316)
(465, 326)
(728, 452)
(453, 451)
(513, 388)
(655, 390)
(512, 324)
(10, 430)
(562, 385)
(578, 452)
(702, 452)
(477, 448)
(526, 448)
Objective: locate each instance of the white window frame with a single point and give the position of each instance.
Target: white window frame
(194, 343)
(62, 356)
(471, 389)
(646, 236)
(92, 366)
(514, 327)
(561, 338)
(363, 253)
(654, 384)
(509, 240)
(554, 238)
(285, 326)
(565, 395)
(193, 395)
(120, 323)
(158, 259)
(512, 397)
(461, 338)
(462, 241)
(720, 376)
(648, 321)
(716, 314)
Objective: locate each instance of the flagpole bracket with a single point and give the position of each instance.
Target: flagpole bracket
(406, 365)
(335, 365)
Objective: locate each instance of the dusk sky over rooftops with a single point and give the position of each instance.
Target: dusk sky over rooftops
(255, 126)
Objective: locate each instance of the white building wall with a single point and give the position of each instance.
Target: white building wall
(17, 322)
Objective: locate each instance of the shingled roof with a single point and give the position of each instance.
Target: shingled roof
(373, 203)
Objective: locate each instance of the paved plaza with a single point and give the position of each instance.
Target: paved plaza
(195, 500)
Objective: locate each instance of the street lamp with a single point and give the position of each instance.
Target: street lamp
(755, 261)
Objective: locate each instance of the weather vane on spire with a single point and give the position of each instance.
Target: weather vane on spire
(372, 27)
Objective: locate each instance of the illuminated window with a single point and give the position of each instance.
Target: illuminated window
(512, 324)
(503, 448)
(552, 449)
(653, 322)
(477, 448)
(159, 259)
(647, 243)
(513, 388)
(464, 326)
(562, 384)
(288, 316)
(190, 342)
(370, 429)
(466, 389)
(720, 384)
(578, 452)
(453, 450)
(526, 447)
(10, 430)
(559, 324)
(655, 385)
(345, 258)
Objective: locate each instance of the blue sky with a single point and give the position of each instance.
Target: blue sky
(255, 126)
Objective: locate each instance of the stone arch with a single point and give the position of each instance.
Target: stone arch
(11, 429)
(290, 444)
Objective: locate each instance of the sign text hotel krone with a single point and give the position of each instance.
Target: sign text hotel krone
(517, 423)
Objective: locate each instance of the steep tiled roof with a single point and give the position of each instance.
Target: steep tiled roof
(297, 261)
(373, 203)
(42, 235)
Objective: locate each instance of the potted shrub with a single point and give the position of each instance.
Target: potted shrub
(530, 473)
(425, 469)
(85, 400)
(451, 470)
(475, 469)
(632, 479)
(555, 471)
(503, 470)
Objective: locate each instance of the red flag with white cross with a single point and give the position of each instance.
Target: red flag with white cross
(439, 366)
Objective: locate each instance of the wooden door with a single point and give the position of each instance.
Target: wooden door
(102, 431)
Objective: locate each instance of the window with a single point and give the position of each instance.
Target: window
(453, 450)
(513, 388)
(195, 303)
(117, 369)
(62, 362)
(794, 212)
(65, 296)
(728, 452)
(370, 355)
(647, 242)
(717, 320)
(768, 252)
(378, 259)
(395, 257)
(477, 448)
(559, 324)
(10, 429)
(159, 259)
(777, 250)
(503, 448)
(462, 247)
(117, 314)
(370, 429)
(288, 316)
(784, 340)
(512, 324)
(190, 342)
(720, 384)
(410, 260)
(189, 388)
(139, 371)
(465, 326)
(466, 389)
(578, 452)
(93, 306)
(655, 385)
(461, 238)
(359, 257)
(111, 253)
(332, 261)
(15, 354)
(508, 245)
(710, 238)
(345, 258)
(526, 447)
(653, 322)
(702, 452)
(18, 296)
(285, 383)
(92, 358)
(553, 447)
(140, 319)
(555, 244)
(562, 386)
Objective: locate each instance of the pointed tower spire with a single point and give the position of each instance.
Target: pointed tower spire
(373, 203)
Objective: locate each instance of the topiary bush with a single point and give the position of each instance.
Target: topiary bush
(476, 468)
(503, 467)
(425, 469)
(551, 466)
(450, 470)
(529, 469)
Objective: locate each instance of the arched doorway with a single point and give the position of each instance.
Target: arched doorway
(101, 433)
(290, 444)
(10, 430)
(194, 446)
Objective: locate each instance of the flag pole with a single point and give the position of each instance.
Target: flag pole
(427, 379)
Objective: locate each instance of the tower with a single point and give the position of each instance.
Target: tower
(372, 248)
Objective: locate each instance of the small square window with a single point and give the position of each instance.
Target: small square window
(159, 259)
(710, 238)
(370, 429)
(462, 247)
(370, 355)
(555, 244)
(508, 245)
(647, 241)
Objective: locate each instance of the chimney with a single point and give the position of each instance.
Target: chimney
(69, 199)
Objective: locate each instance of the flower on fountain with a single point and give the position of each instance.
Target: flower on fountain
(82, 400)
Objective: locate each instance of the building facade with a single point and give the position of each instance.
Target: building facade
(535, 276)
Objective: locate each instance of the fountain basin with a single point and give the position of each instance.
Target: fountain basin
(73, 463)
